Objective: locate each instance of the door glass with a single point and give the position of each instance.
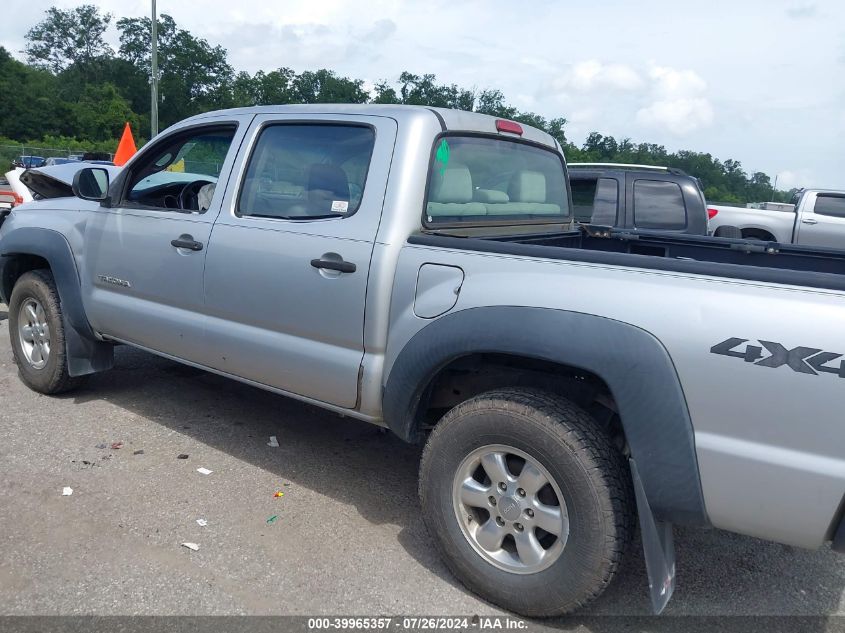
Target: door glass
(659, 205)
(181, 172)
(307, 171)
(830, 205)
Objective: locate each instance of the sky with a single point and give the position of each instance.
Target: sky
(759, 81)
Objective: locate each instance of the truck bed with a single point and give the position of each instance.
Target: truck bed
(750, 260)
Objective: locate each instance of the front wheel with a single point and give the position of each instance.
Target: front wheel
(37, 334)
(527, 499)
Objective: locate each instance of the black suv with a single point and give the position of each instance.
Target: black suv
(638, 197)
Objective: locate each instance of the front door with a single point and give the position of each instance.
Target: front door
(142, 281)
(287, 267)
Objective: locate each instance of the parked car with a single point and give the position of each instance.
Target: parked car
(54, 160)
(29, 161)
(417, 268)
(816, 219)
(637, 197)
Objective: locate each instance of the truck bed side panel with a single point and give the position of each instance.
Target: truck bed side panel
(768, 437)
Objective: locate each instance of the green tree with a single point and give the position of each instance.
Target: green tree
(32, 107)
(324, 86)
(194, 76)
(101, 113)
(72, 37)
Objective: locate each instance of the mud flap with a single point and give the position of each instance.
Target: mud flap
(658, 548)
(86, 355)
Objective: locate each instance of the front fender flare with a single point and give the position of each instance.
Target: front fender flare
(85, 353)
(633, 363)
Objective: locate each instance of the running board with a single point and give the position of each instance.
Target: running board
(658, 547)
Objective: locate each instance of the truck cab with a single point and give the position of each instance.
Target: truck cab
(637, 197)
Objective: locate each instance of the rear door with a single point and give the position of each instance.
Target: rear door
(286, 270)
(655, 202)
(822, 220)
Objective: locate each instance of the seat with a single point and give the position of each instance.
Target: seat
(451, 193)
(527, 192)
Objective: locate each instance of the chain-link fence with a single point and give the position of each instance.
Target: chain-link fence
(10, 154)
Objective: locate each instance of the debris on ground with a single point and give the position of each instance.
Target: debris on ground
(140, 451)
(191, 546)
(272, 519)
(274, 443)
(202, 522)
(286, 484)
(85, 463)
(67, 491)
(279, 493)
(116, 445)
(101, 446)
(182, 456)
(204, 471)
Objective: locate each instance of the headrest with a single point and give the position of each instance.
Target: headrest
(328, 178)
(453, 184)
(492, 196)
(528, 186)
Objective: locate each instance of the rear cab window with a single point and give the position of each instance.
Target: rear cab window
(659, 204)
(480, 180)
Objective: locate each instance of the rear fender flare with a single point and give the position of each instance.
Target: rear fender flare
(633, 363)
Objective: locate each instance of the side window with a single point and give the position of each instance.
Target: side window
(307, 171)
(659, 204)
(606, 202)
(583, 198)
(180, 172)
(595, 200)
(830, 205)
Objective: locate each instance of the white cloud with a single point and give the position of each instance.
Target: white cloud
(679, 102)
(670, 83)
(802, 11)
(795, 178)
(681, 117)
(594, 75)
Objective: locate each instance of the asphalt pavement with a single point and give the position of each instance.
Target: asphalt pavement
(348, 537)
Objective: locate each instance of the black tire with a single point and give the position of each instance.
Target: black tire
(580, 456)
(53, 377)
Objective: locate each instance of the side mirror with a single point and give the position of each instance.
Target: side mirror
(91, 183)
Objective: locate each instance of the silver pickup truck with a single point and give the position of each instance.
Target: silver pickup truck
(817, 219)
(419, 269)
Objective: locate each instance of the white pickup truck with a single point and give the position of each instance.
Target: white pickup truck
(818, 219)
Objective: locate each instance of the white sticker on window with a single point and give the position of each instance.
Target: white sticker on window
(340, 206)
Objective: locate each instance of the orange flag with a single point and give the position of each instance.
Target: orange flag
(126, 148)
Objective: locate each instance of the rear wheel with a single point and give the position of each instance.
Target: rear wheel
(37, 334)
(527, 500)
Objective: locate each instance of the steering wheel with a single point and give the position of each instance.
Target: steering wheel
(189, 195)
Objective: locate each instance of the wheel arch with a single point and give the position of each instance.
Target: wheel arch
(28, 248)
(633, 365)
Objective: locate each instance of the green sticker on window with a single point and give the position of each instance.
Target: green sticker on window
(442, 155)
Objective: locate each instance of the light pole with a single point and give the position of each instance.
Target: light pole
(154, 77)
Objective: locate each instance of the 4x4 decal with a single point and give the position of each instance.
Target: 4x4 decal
(804, 360)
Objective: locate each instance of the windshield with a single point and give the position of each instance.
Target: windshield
(481, 180)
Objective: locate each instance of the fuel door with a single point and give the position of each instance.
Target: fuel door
(438, 288)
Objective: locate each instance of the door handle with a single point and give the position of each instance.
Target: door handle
(186, 241)
(809, 221)
(329, 264)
